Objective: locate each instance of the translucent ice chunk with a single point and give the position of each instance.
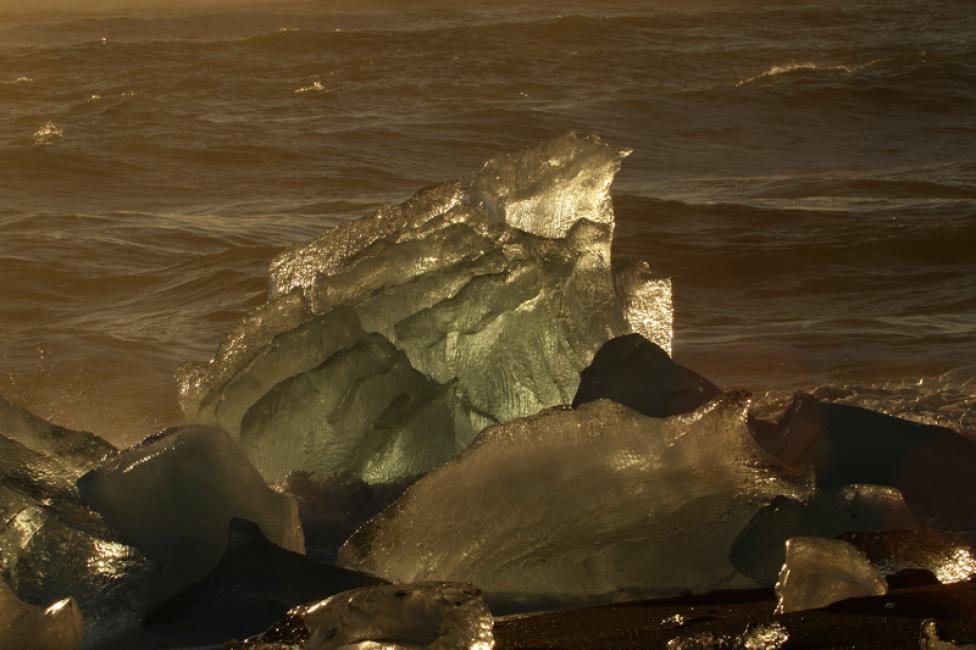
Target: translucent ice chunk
(74, 449)
(585, 505)
(647, 303)
(818, 572)
(759, 549)
(174, 496)
(392, 340)
(27, 627)
(432, 616)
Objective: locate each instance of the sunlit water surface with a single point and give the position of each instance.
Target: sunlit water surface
(805, 172)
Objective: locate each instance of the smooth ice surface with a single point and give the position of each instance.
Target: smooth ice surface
(51, 546)
(174, 496)
(818, 572)
(571, 506)
(391, 341)
(27, 627)
(759, 550)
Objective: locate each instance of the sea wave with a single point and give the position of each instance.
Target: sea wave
(790, 68)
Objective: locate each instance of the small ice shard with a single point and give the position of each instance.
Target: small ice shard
(255, 584)
(635, 372)
(931, 639)
(950, 558)
(75, 449)
(431, 616)
(28, 627)
(759, 549)
(647, 303)
(50, 133)
(930, 465)
(756, 636)
(763, 636)
(174, 495)
(52, 546)
(706, 640)
(818, 572)
(391, 341)
(574, 506)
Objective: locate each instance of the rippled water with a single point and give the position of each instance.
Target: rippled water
(805, 172)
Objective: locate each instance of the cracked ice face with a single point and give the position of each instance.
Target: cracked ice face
(391, 341)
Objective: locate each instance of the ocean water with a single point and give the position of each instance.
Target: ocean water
(806, 173)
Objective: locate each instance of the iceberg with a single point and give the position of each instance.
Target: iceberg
(431, 616)
(390, 342)
(27, 627)
(818, 572)
(174, 495)
(759, 550)
(577, 506)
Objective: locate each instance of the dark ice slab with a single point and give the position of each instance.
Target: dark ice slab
(759, 550)
(633, 371)
(255, 585)
(932, 466)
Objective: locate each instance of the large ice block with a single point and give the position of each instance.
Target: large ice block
(635, 372)
(174, 495)
(930, 465)
(391, 341)
(759, 549)
(571, 506)
(430, 616)
(818, 572)
(28, 627)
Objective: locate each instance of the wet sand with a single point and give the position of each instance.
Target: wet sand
(886, 622)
